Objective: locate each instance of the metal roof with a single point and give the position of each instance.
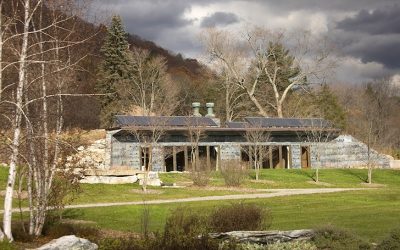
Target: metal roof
(263, 122)
(163, 121)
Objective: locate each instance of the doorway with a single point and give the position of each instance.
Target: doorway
(305, 157)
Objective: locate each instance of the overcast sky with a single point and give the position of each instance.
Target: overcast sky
(366, 32)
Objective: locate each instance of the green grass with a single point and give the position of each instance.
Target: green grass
(369, 213)
(298, 178)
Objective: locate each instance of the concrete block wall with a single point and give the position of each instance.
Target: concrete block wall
(230, 152)
(125, 154)
(158, 160)
(346, 152)
(296, 156)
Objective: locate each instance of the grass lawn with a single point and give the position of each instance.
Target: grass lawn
(369, 213)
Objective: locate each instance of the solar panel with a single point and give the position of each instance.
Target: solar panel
(167, 121)
(237, 124)
(287, 122)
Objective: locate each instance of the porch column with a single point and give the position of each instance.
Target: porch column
(186, 158)
(271, 162)
(280, 157)
(174, 158)
(208, 158)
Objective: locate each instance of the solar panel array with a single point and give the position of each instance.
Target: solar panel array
(237, 124)
(287, 122)
(164, 121)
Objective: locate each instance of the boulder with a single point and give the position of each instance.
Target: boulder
(70, 242)
(109, 179)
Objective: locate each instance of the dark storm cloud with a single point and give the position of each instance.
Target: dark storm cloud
(219, 19)
(381, 49)
(149, 18)
(379, 21)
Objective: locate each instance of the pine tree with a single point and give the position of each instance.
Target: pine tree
(114, 70)
(330, 108)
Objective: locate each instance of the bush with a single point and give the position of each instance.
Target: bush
(294, 245)
(240, 216)
(234, 172)
(391, 242)
(187, 230)
(334, 238)
(200, 178)
(59, 229)
(126, 244)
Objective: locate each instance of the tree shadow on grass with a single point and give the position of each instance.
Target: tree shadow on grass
(354, 173)
(309, 174)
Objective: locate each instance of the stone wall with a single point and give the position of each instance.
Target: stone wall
(346, 152)
(230, 152)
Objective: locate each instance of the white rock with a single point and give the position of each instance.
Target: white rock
(109, 179)
(70, 242)
(80, 148)
(151, 182)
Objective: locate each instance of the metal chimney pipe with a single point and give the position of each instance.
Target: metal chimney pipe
(196, 108)
(210, 111)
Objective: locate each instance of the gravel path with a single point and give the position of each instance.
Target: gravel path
(271, 193)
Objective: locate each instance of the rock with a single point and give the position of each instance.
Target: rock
(151, 182)
(264, 237)
(109, 179)
(70, 242)
(80, 148)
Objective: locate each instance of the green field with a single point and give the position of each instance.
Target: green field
(371, 213)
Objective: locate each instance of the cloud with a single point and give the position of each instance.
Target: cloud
(380, 21)
(379, 48)
(219, 19)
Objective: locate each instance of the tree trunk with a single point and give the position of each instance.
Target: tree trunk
(17, 127)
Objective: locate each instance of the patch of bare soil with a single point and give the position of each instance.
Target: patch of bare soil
(320, 183)
(184, 183)
(148, 191)
(373, 185)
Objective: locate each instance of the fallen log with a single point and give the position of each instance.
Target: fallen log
(264, 237)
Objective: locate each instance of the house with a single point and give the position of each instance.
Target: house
(173, 143)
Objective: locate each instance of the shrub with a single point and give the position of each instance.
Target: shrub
(200, 178)
(294, 245)
(330, 237)
(59, 229)
(234, 172)
(187, 230)
(126, 244)
(240, 216)
(391, 242)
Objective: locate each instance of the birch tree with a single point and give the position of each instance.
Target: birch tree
(42, 40)
(257, 150)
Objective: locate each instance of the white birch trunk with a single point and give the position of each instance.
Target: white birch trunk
(17, 126)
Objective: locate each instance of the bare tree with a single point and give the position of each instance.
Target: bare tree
(150, 87)
(148, 137)
(258, 66)
(233, 61)
(43, 51)
(257, 150)
(317, 133)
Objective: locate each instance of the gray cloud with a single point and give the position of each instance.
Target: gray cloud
(366, 31)
(379, 21)
(219, 19)
(381, 49)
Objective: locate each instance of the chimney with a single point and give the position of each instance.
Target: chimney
(196, 107)
(210, 111)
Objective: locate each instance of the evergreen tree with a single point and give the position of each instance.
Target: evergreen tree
(330, 108)
(114, 70)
